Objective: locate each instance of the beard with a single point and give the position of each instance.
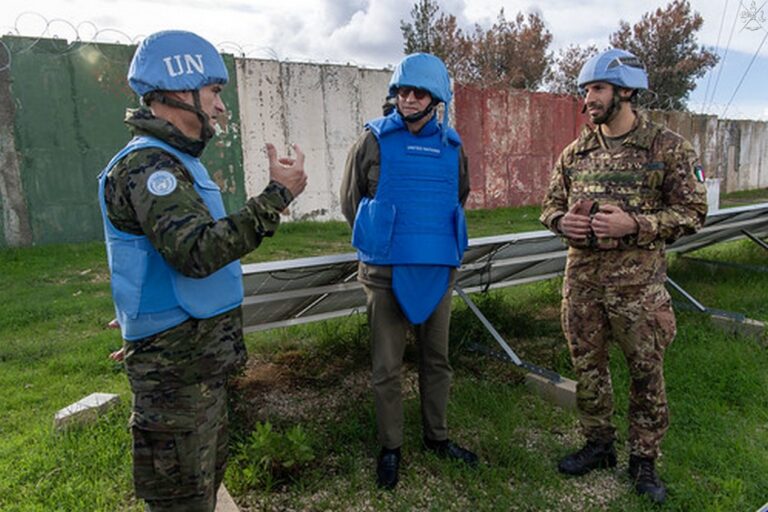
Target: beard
(604, 114)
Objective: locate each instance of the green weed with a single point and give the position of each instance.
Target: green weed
(268, 458)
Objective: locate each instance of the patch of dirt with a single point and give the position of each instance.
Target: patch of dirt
(289, 388)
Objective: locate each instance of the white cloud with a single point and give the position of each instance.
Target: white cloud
(361, 32)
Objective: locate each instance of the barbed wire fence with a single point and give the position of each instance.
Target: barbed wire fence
(36, 28)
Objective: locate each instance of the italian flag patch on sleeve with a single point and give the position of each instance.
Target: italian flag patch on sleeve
(698, 171)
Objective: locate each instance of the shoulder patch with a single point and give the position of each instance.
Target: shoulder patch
(161, 183)
(698, 172)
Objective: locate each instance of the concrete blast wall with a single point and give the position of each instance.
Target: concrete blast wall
(320, 107)
(61, 107)
(733, 151)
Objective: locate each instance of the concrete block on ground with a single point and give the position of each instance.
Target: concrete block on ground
(562, 393)
(747, 327)
(224, 502)
(85, 410)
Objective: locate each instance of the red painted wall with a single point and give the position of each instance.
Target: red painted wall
(512, 139)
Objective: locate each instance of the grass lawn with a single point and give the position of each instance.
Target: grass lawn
(55, 302)
(743, 197)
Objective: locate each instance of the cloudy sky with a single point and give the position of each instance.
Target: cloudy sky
(367, 32)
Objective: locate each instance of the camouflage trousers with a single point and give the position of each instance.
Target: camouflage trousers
(180, 446)
(641, 321)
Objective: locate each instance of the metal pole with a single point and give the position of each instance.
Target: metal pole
(549, 374)
(698, 305)
(755, 239)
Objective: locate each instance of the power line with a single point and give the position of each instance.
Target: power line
(754, 57)
(717, 45)
(722, 62)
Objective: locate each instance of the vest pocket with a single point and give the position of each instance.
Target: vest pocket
(210, 296)
(129, 266)
(374, 224)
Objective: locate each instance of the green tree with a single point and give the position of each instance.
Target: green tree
(418, 35)
(434, 32)
(665, 40)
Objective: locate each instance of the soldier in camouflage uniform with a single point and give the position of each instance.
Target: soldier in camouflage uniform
(176, 281)
(618, 193)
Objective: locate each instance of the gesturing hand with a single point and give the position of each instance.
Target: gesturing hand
(289, 172)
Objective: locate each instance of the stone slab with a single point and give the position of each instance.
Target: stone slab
(224, 502)
(85, 410)
(562, 394)
(747, 327)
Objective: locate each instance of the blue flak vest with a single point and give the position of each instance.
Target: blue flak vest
(415, 222)
(149, 295)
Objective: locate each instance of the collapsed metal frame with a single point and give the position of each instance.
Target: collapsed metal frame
(743, 222)
(328, 288)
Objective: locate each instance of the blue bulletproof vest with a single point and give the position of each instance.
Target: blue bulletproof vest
(149, 295)
(415, 222)
(415, 217)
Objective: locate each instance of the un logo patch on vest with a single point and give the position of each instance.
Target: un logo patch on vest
(415, 149)
(161, 183)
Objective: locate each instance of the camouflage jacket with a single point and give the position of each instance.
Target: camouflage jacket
(654, 175)
(180, 227)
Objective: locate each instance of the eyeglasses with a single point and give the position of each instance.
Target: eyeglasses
(404, 92)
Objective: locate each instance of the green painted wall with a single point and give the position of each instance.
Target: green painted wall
(70, 104)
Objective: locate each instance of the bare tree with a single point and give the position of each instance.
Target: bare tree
(569, 62)
(665, 40)
(512, 53)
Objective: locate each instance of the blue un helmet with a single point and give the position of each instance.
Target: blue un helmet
(617, 67)
(427, 72)
(422, 71)
(175, 60)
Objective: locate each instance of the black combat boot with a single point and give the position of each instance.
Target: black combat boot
(450, 450)
(594, 455)
(388, 468)
(646, 481)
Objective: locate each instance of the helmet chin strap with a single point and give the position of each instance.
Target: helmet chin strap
(418, 116)
(206, 130)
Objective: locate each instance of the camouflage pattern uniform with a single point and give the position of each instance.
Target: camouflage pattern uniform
(178, 377)
(614, 289)
(388, 322)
